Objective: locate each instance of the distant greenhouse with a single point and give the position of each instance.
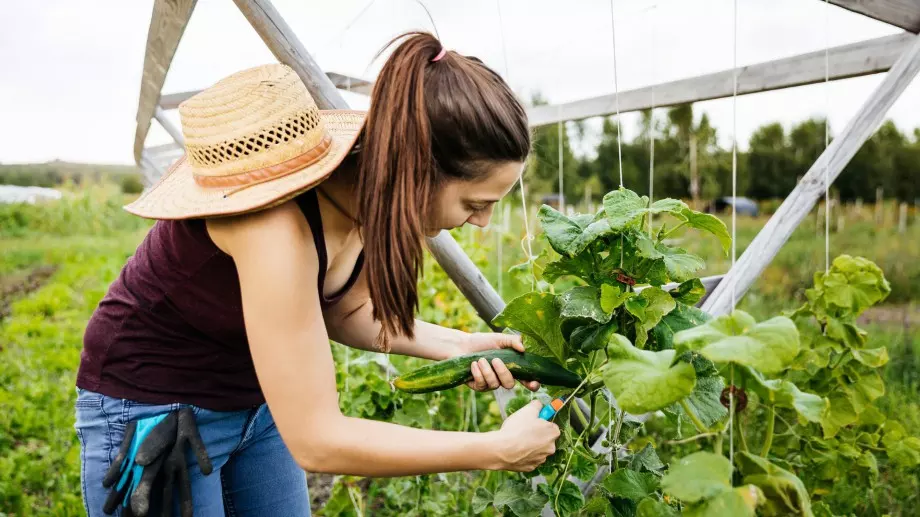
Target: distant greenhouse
(15, 194)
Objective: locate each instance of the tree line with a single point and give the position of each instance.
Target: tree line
(690, 164)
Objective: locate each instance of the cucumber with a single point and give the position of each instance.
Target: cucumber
(455, 371)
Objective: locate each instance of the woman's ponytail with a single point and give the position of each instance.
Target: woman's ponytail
(434, 116)
(394, 184)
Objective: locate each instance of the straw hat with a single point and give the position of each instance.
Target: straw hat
(253, 140)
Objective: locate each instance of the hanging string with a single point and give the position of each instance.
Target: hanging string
(616, 90)
(827, 186)
(731, 389)
(561, 191)
(651, 134)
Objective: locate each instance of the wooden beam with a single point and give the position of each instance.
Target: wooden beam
(167, 24)
(287, 48)
(900, 13)
(171, 101)
(804, 196)
(167, 124)
(856, 59)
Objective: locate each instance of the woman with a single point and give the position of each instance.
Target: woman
(284, 227)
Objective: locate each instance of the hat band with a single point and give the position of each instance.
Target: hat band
(264, 174)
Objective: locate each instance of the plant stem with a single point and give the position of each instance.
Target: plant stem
(771, 422)
(717, 447)
(581, 416)
(739, 429)
(593, 414)
(562, 477)
(614, 440)
(672, 230)
(700, 427)
(691, 439)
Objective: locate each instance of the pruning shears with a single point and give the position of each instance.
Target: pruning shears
(550, 409)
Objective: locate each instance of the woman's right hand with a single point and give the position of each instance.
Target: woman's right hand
(525, 440)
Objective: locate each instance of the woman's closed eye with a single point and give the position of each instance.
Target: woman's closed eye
(479, 207)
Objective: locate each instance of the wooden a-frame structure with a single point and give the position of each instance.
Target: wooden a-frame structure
(899, 55)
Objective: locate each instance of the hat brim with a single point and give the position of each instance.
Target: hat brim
(177, 196)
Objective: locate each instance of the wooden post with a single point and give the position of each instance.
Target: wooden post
(879, 207)
(902, 218)
(859, 203)
(803, 197)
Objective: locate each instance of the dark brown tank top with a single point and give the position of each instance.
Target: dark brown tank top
(170, 328)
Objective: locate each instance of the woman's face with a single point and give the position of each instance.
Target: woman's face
(471, 201)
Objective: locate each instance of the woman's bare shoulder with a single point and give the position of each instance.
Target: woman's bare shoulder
(273, 227)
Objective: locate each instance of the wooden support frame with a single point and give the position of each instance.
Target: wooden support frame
(804, 196)
(845, 61)
(900, 13)
(170, 17)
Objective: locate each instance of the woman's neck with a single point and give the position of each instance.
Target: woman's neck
(338, 191)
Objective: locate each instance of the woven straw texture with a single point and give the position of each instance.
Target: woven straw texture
(239, 133)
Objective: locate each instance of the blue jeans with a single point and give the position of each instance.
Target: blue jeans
(254, 472)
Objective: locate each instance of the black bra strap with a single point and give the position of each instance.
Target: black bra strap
(309, 206)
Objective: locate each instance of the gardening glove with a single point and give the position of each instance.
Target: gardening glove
(161, 450)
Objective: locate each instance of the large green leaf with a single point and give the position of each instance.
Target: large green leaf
(520, 498)
(581, 266)
(582, 302)
(612, 296)
(630, 484)
(649, 507)
(902, 450)
(681, 318)
(854, 284)
(689, 292)
(711, 224)
(560, 231)
(705, 402)
(873, 357)
(536, 315)
(644, 381)
(648, 308)
(592, 337)
(841, 413)
(737, 502)
(482, 499)
(784, 491)
(624, 209)
(569, 499)
(646, 460)
(785, 394)
(769, 346)
(697, 477)
(681, 265)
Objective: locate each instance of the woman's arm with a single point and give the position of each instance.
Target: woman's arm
(351, 322)
(277, 265)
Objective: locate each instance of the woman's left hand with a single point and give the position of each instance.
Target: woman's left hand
(489, 376)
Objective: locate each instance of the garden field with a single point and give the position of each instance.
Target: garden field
(854, 455)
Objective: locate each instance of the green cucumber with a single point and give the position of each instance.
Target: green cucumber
(455, 371)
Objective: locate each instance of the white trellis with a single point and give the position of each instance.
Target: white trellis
(898, 55)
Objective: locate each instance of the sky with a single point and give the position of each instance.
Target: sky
(70, 75)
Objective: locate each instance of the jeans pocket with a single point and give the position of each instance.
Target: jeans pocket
(88, 399)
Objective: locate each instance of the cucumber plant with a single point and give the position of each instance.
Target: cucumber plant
(655, 353)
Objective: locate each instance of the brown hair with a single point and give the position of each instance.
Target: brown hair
(428, 122)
